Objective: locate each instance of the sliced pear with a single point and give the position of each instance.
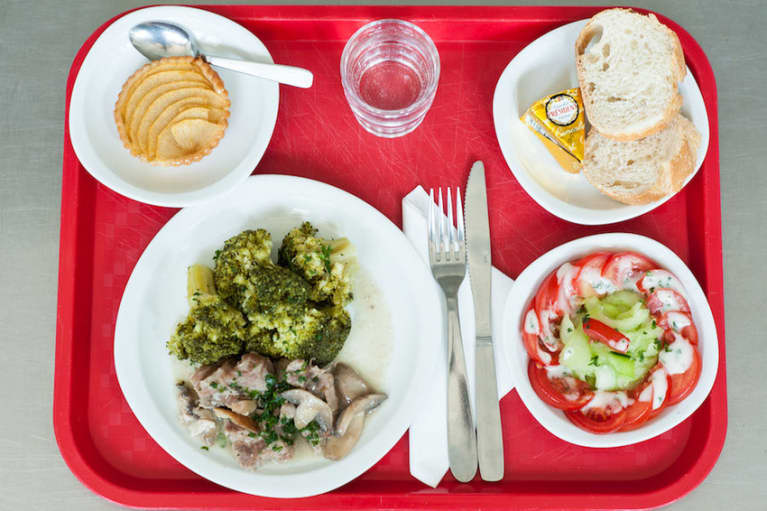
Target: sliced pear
(187, 108)
(133, 117)
(153, 80)
(189, 139)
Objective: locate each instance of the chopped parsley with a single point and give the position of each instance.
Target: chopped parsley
(594, 361)
(204, 448)
(325, 256)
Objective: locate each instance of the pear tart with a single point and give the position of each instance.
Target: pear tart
(172, 111)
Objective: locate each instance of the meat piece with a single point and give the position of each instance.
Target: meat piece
(201, 373)
(315, 379)
(251, 450)
(200, 422)
(252, 370)
(246, 445)
(231, 382)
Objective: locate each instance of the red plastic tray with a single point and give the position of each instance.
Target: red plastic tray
(103, 234)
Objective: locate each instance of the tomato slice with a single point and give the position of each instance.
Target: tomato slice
(625, 268)
(680, 322)
(656, 279)
(589, 273)
(547, 307)
(613, 339)
(566, 393)
(530, 330)
(682, 384)
(597, 420)
(665, 300)
(636, 415)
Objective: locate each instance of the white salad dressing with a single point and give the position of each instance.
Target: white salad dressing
(646, 394)
(659, 385)
(593, 277)
(657, 279)
(543, 356)
(614, 401)
(668, 300)
(557, 371)
(677, 356)
(605, 377)
(531, 323)
(678, 320)
(547, 335)
(566, 280)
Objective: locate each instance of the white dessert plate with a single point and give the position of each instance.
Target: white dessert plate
(109, 63)
(524, 290)
(154, 301)
(546, 66)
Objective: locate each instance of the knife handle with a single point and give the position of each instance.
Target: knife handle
(489, 436)
(461, 436)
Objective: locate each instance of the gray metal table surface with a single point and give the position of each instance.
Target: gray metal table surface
(38, 41)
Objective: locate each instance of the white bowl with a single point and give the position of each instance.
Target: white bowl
(112, 59)
(523, 292)
(545, 66)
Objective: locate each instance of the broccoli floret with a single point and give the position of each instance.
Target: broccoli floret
(300, 331)
(212, 330)
(239, 256)
(317, 260)
(264, 288)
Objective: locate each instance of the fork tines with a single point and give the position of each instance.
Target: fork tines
(446, 243)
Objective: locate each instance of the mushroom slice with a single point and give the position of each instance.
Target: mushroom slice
(308, 408)
(244, 406)
(360, 406)
(338, 447)
(349, 384)
(236, 418)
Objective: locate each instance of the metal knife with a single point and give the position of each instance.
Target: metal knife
(489, 437)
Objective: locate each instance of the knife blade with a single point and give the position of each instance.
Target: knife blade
(489, 436)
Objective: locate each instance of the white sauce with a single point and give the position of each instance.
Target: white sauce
(677, 321)
(593, 277)
(659, 385)
(543, 356)
(567, 295)
(558, 371)
(615, 401)
(668, 300)
(657, 279)
(625, 271)
(547, 336)
(677, 356)
(646, 394)
(531, 323)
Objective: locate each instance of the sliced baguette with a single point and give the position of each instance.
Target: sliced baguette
(628, 68)
(644, 170)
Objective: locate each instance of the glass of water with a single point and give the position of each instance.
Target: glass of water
(389, 72)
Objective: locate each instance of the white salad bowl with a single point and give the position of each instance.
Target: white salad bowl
(525, 288)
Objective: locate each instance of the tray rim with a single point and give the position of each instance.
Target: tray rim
(73, 452)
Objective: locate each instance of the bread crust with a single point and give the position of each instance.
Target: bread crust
(680, 71)
(671, 177)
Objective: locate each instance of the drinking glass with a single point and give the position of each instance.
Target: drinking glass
(389, 72)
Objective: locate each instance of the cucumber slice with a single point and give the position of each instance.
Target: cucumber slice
(624, 298)
(622, 364)
(576, 354)
(629, 319)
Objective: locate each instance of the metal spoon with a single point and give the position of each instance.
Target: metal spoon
(157, 39)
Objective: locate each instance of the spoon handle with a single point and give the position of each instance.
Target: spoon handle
(289, 75)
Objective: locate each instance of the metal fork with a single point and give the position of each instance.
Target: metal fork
(447, 257)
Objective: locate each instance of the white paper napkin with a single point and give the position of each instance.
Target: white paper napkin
(428, 432)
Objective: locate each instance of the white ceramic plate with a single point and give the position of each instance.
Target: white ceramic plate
(155, 300)
(545, 66)
(110, 62)
(524, 290)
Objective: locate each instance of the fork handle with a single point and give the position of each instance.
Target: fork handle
(461, 436)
